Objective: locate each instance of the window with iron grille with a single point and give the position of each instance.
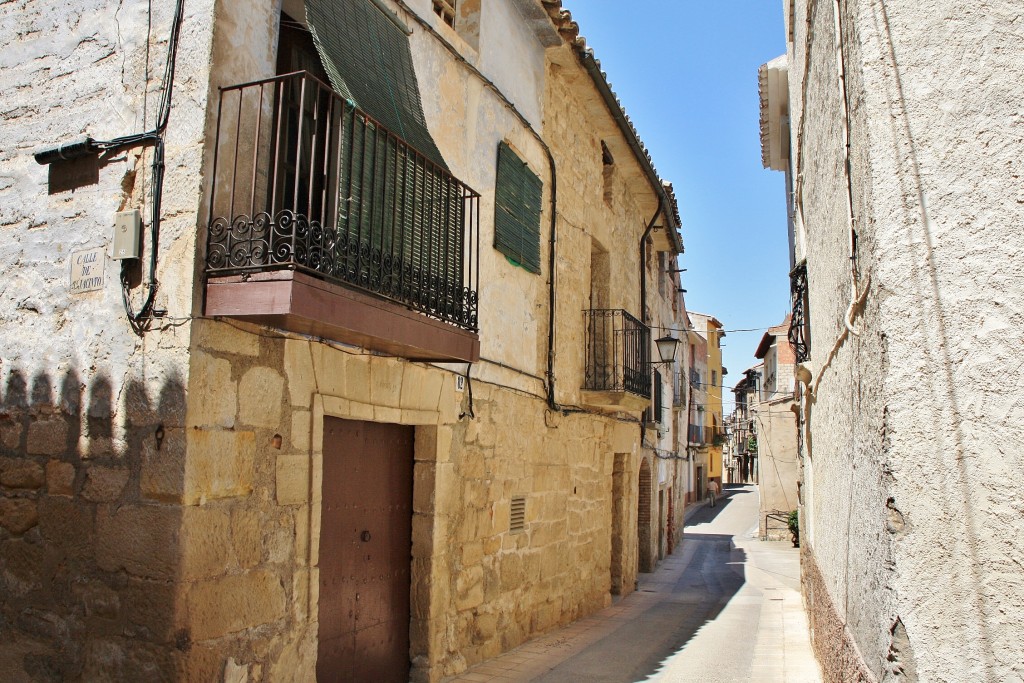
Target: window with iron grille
(517, 208)
(799, 328)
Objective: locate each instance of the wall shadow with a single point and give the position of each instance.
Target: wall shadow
(88, 556)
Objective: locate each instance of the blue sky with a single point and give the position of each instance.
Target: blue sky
(686, 73)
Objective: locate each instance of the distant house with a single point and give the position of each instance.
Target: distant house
(775, 428)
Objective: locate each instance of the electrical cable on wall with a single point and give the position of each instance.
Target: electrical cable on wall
(139, 320)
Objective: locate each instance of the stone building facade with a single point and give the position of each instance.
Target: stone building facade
(183, 434)
(775, 428)
(710, 330)
(897, 124)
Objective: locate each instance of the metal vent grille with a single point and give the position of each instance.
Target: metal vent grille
(517, 514)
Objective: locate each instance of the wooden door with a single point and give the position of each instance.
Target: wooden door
(365, 552)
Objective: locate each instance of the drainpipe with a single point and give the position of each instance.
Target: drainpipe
(643, 263)
(552, 281)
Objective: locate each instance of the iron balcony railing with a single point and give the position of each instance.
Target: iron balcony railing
(618, 353)
(304, 180)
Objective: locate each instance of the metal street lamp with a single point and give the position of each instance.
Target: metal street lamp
(667, 346)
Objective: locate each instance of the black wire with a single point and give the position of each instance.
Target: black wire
(141, 320)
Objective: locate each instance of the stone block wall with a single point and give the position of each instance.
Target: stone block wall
(478, 587)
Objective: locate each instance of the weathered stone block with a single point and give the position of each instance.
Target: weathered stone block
(300, 595)
(60, 478)
(213, 395)
(149, 611)
(333, 370)
(424, 478)
(48, 437)
(384, 414)
(104, 484)
(422, 531)
(66, 524)
(357, 378)
(234, 603)
(10, 434)
(485, 627)
(297, 661)
(301, 551)
(246, 536)
(292, 479)
(385, 382)
(141, 539)
(219, 464)
(259, 398)
(163, 471)
(116, 659)
(22, 566)
(298, 369)
(300, 433)
(469, 588)
(98, 599)
(206, 544)
(17, 473)
(421, 388)
(18, 515)
(216, 336)
(360, 411)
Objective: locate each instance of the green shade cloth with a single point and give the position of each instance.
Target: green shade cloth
(517, 206)
(368, 60)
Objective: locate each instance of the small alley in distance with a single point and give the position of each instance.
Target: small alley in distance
(387, 341)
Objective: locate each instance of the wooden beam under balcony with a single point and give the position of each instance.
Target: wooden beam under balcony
(297, 302)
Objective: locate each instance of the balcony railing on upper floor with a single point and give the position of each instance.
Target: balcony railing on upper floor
(305, 181)
(617, 360)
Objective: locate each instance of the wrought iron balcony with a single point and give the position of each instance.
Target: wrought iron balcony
(618, 360)
(323, 221)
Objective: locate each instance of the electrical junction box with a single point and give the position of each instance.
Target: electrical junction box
(127, 234)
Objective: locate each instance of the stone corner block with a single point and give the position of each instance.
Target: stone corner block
(234, 603)
(219, 464)
(293, 479)
(212, 394)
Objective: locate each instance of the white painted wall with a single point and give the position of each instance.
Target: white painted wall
(913, 483)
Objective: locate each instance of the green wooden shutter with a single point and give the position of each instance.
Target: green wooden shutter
(368, 60)
(517, 208)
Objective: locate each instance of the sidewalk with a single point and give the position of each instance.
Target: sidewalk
(717, 588)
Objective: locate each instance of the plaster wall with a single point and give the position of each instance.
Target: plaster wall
(911, 496)
(775, 425)
(90, 411)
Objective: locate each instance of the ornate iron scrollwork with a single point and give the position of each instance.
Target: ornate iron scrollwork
(799, 335)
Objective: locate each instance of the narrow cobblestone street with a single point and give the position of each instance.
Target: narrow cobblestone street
(725, 607)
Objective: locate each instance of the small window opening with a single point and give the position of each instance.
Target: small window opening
(446, 10)
(608, 174)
